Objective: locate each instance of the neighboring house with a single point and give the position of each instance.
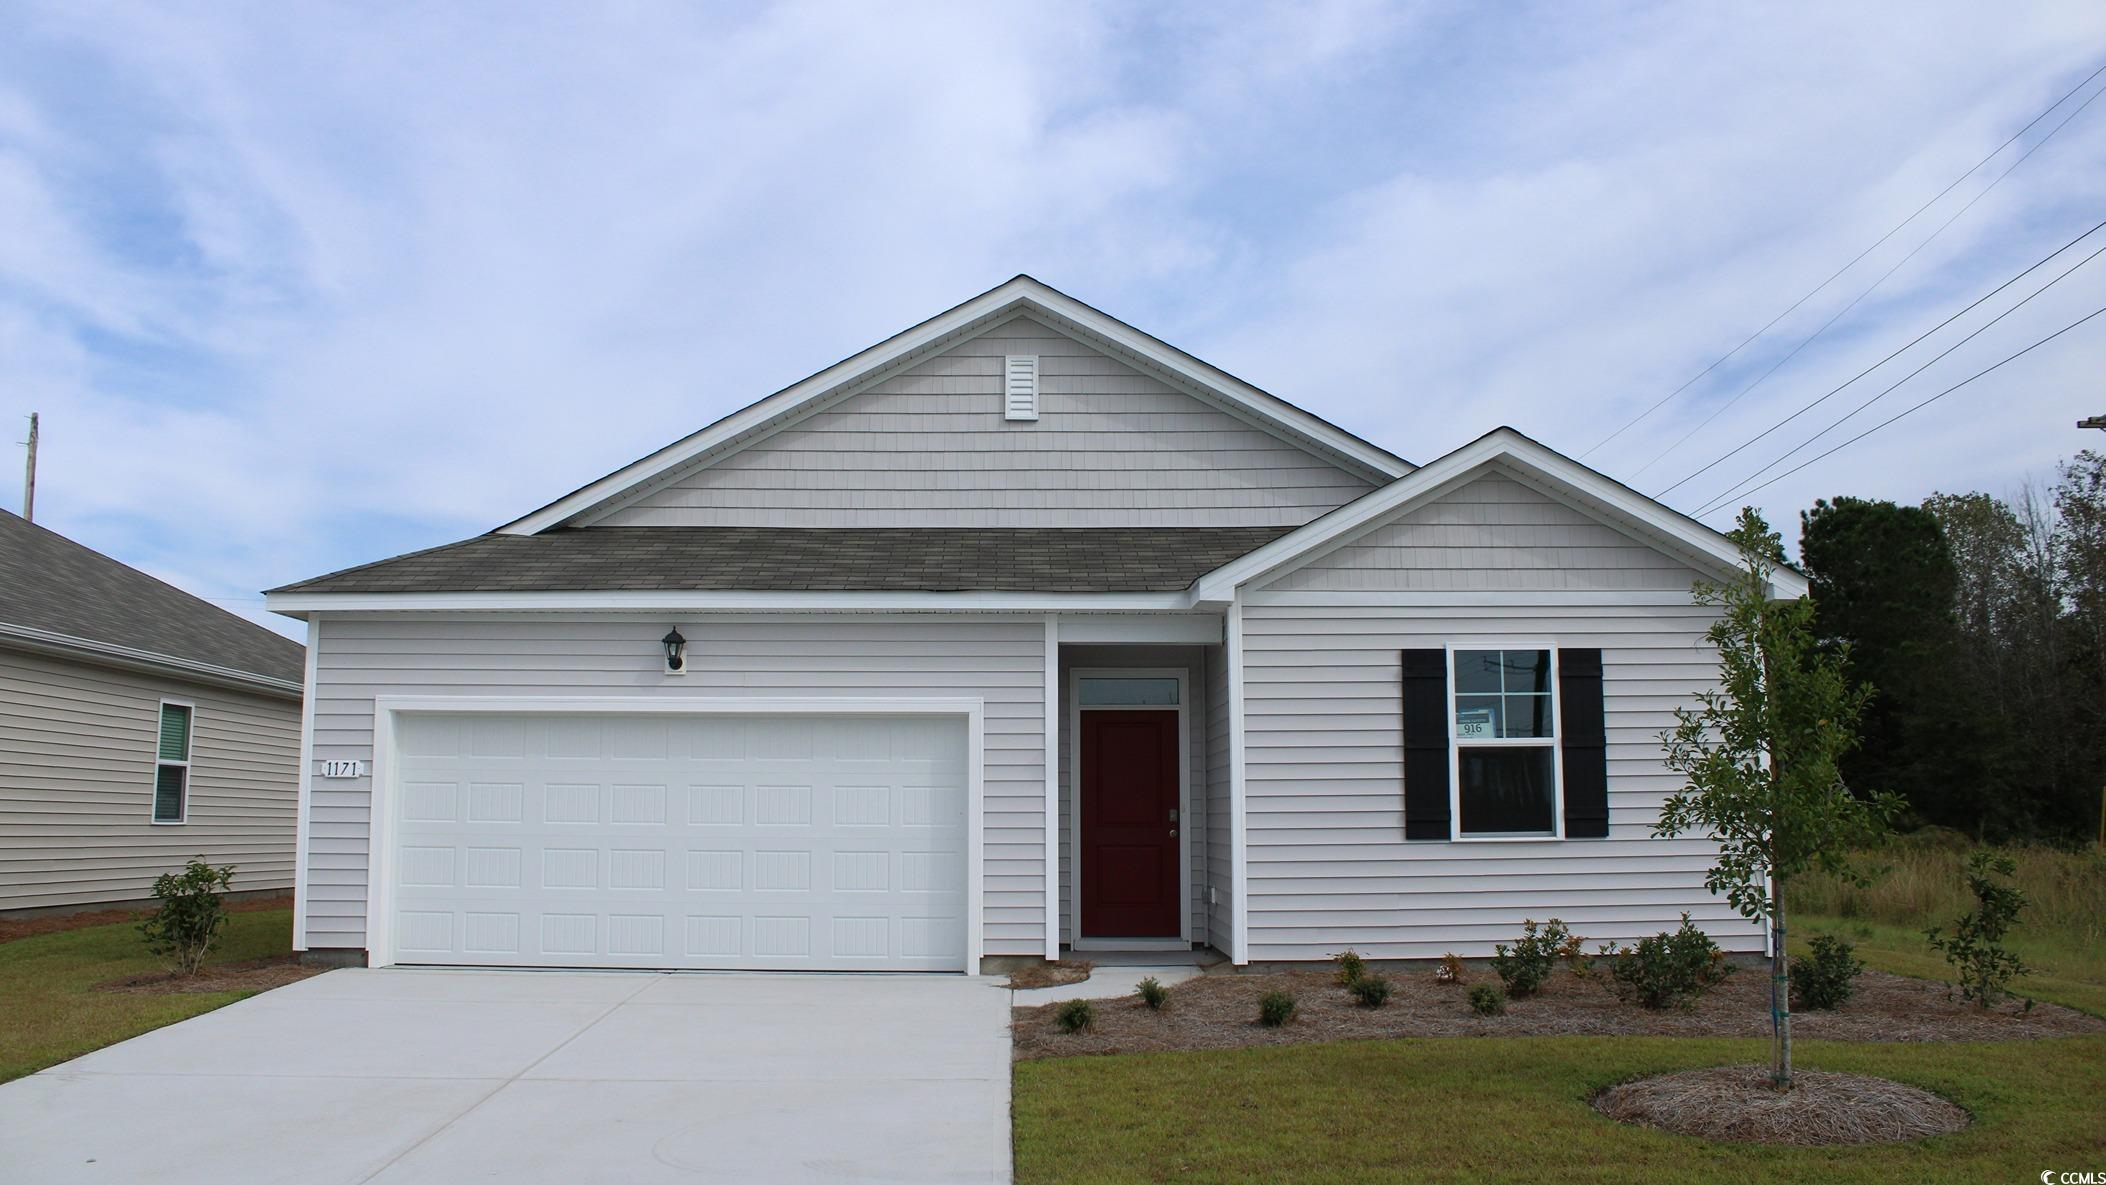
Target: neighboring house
(1019, 631)
(139, 726)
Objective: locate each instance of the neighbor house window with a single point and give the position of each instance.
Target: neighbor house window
(1504, 714)
(172, 765)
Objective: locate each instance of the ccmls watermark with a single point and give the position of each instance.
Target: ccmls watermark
(2081, 1177)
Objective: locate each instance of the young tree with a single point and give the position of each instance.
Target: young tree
(1760, 757)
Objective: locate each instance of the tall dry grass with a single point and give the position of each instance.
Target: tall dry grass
(1924, 884)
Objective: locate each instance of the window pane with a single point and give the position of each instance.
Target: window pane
(1526, 671)
(1477, 670)
(1507, 791)
(1116, 692)
(1476, 717)
(169, 783)
(1526, 716)
(175, 732)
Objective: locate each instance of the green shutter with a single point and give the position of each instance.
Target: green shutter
(175, 732)
(168, 793)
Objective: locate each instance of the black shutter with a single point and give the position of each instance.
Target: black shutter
(1426, 744)
(1585, 739)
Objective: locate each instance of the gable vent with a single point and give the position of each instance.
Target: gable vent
(1020, 387)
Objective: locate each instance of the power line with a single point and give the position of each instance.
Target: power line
(1911, 409)
(1853, 412)
(1913, 252)
(1837, 390)
(1877, 243)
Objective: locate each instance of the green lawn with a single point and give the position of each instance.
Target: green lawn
(1515, 1108)
(2066, 974)
(1508, 1109)
(51, 1015)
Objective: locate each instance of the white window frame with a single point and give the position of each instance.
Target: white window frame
(1555, 742)
(189, 750)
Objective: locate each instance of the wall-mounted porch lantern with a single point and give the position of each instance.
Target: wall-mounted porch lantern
(675, 652)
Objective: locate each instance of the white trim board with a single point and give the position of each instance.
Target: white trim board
(1021, 295)
(301, 604)
(1048, 756)
(1183, 709)
(380, 844)
(304, 812)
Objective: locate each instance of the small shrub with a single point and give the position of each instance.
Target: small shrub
(1487, 1000)
(186, 927)
(1075, 1016)
(1976, 949)
(1525, 968)
(1371, 990)
(1152, 993)
(1276, 1008)
(1829, 978)
(1350, 967)
(1577, 960)
(1669, 970)
(1451, 969)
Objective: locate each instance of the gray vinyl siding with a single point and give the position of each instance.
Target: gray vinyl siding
(928, 447)
(1190, 660)
(1328, 864)
(1219, 863)
(77, 763)
(1492, 534)
(998, 660)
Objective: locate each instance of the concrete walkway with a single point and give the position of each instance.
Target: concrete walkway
(396, 1076)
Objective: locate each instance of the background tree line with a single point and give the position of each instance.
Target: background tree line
(1980, 624)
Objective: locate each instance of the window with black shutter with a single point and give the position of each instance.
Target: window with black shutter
(1504, 742)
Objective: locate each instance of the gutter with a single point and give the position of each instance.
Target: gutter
(126, 657)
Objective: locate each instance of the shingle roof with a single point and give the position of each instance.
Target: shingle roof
(50, 583)
(775, 559)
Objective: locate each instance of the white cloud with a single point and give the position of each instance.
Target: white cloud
(298, 286)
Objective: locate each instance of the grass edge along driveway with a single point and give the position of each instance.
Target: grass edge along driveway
(53, 1014)
(1501, 1109)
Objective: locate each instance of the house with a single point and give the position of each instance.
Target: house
(1019, 632)
(139, 726)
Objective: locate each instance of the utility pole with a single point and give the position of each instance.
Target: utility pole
(29, 475)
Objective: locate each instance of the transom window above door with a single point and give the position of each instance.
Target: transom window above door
(1118, 692)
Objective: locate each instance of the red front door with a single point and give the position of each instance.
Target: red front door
(1129, 867)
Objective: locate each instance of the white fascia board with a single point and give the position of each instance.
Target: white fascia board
(301, 604)
(784, 402)
(111, 654)
(1022, 294)
(1607, 497)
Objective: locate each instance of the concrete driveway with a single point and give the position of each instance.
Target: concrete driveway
(396, 1076)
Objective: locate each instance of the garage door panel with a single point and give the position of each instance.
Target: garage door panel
(797, 843)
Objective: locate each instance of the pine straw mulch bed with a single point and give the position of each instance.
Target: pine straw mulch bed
(257, 975)
(1736, 1103)
(12, 929)
(1220, 1012)
(1045, 975)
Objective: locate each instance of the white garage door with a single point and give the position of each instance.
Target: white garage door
(705, 841)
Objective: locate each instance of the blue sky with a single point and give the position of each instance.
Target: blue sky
(299, 286)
